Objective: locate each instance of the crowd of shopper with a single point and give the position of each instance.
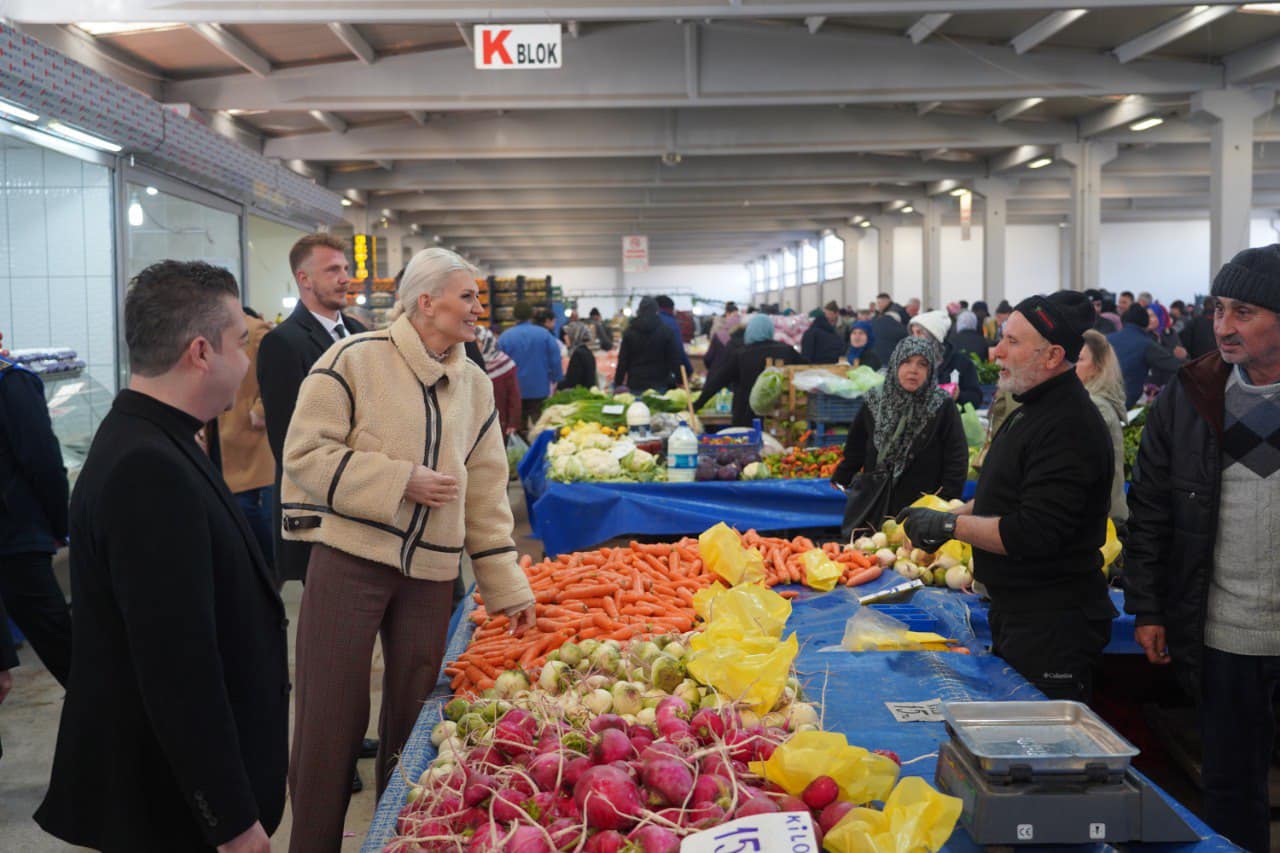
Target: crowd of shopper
(366, 464)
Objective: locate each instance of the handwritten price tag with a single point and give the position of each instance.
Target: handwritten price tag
(928, 711)
(781, 832)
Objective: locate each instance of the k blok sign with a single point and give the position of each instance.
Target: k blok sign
(516, 46)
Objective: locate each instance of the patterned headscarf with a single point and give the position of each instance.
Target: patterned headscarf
(899, 414)
(496, 362)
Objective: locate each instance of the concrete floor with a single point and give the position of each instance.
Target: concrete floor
(29, 725)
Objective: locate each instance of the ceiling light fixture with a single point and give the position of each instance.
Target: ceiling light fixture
(959, 191)
(346, 202)
(864, 224)
(1040, 163)
(14, 111)
(118, 28)
(57, 128)
(136, 216)
(152, 191)
(1146, 124)
(908, 209)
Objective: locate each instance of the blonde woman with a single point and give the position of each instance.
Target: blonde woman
(1099, 370)
(394, 467)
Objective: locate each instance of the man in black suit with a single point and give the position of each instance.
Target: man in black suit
(322, 273)
(174, 733)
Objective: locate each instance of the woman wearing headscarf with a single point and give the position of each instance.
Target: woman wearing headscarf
(502, 373)
(952, 365)
(651, 354)
(862, 353)
(581, 372)
(740, 370)
(906, 441)
(722, 336)
(967, 338)
(1160, 324)
(1099, 370)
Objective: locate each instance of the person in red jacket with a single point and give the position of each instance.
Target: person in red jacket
(502, 373)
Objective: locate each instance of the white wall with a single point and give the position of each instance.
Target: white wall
(1031, 262)
(608, 288)
(868, 269)
(908, 264)
(269, 279)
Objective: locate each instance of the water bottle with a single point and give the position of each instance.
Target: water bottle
(638, 419)
(682, 455)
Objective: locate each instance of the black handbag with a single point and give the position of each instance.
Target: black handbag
(868, 502)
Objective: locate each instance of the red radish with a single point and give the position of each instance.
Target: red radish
(574, 769)
(660, 749)
(708, 725)
(521, 783)
(472, 818)
(508, 806)
(541, 806)
(608, 798)
(765, 749)
(716, 764)
(608, 841)
(611, 745)
(789, 803)
(564, 833)
(478, 789)
(655, 839)
(704, 816)
(889, 754)
(820, 793)
(672, 706)
(669, 778)
(567, 808)
(521, 719)
(757, 805)
(485, 756)
(642, 737)
(488, 839)
(529, 839)
(510, 738)
(673, 728)
(833, 814)
(742, 744)
(547, 770)
(607, 721)
(709, 788)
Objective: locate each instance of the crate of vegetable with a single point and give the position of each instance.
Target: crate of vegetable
(801, 463)
(729, 456)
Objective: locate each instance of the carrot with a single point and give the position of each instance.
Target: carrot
(789, 593)
(592, 591)
(865, 575)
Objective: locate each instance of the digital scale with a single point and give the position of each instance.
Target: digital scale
(1049, 773)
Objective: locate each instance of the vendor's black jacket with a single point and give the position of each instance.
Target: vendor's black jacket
(1048, 477)
(739, 372)
(1173, 511)
(955, 360)
(1197, 336)
(821, 344)
(650, 356)
(939, 458)
(33, 482)
(174, 732)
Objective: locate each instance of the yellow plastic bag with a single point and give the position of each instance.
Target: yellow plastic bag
(702, 599)
(915, 817)
(869, 630)
(750, 609)
(721, 550)
(820, 571)
(1111, 548)
(932, 502)
(961, 552)
(861, 775)
(751, 669)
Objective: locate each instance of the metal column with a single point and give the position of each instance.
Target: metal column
(884, 226)
(1087, 158)
(995, 210)
(931, 246)
(1231, 165)
(849, 294)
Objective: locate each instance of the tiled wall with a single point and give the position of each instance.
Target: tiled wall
(57, 269)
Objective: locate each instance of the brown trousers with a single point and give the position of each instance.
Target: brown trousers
(347, 601)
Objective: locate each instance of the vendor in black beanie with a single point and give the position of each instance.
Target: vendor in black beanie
(1040, 512)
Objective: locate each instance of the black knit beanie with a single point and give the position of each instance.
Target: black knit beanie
(1062, 318)
(1136, 315)
(1252, 276)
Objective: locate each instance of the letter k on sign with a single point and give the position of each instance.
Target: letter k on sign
(495, 43)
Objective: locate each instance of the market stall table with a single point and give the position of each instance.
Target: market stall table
(853, 687)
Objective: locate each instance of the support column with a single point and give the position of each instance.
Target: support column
(884, 226)
(1088, 158)
(1231, 167)
(391, 244)
(931, 221)
(852, 238)
(995, 217)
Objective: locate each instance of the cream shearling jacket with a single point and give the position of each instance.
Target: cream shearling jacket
(375, 406)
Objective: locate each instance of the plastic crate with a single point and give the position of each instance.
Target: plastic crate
(745, 447)
(831, 409)
(910, 615)
(823, 437)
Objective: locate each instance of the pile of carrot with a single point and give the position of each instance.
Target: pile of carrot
(610, 593)
(621, 594)
(782, 560)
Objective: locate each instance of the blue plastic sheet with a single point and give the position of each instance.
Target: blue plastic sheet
(578, 516)
(852, 687)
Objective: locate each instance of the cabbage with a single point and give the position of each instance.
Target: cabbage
(755, 471)
(599, 464)
(589, 440)
(558, 449)
(568, 469)
(766, 391)
(639, 461)
(864, 378)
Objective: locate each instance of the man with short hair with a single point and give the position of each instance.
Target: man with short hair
(1201, 571)
(174, 733)
(285, 357)
(1124, 301)
(667, 314)
(913, 307)
(1144, 299)
(537, 356)
(1040, 512)
(821, 343)
(887, 327)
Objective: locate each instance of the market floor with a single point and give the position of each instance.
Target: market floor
(29, 726)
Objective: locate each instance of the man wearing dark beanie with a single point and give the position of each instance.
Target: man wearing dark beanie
(1139, 353)
(1201, 570)
(1040, 512)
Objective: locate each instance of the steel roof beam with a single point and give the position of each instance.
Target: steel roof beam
(329, 120)
(927, 26)
(1013, 109)
(1171, 31)
(1253, 62)
(1045, 29)
(629, 199)
(245, 56)
(356, 43)
(1119, 114)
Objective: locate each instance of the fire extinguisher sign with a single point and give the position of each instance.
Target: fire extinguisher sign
(516, 46)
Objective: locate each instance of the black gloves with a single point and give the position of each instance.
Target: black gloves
(928, 529)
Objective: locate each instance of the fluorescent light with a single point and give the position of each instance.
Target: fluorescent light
(59, 129)
(626, 312)
(136, 216)
(1146, 124)
(346, 202)
(118, 28)
(866, 223)
(1262, 8)
(289, 302)
(15, 111)
(152, 191)
(908, 209)
(1040, 164)
(360, 299)
(959, 191)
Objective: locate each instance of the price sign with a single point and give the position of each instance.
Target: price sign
(781, 832)
(928, 711)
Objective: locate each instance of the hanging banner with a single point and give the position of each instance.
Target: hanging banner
(966, 215)
(635, 253)
(514, 47)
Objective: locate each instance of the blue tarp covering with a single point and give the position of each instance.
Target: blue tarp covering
(852, 687)
(577, 516)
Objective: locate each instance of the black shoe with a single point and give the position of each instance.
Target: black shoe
(356, 785)
(369, 748)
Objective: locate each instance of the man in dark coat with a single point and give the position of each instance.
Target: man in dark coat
(649, 357)
(33, 518)
(1200, 564)
(1139, 353)
(174, 733)
(821, 344)
(887, 328)
(322, 273)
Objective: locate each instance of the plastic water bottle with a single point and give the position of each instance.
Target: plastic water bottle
(682, 455)
(638, 419)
